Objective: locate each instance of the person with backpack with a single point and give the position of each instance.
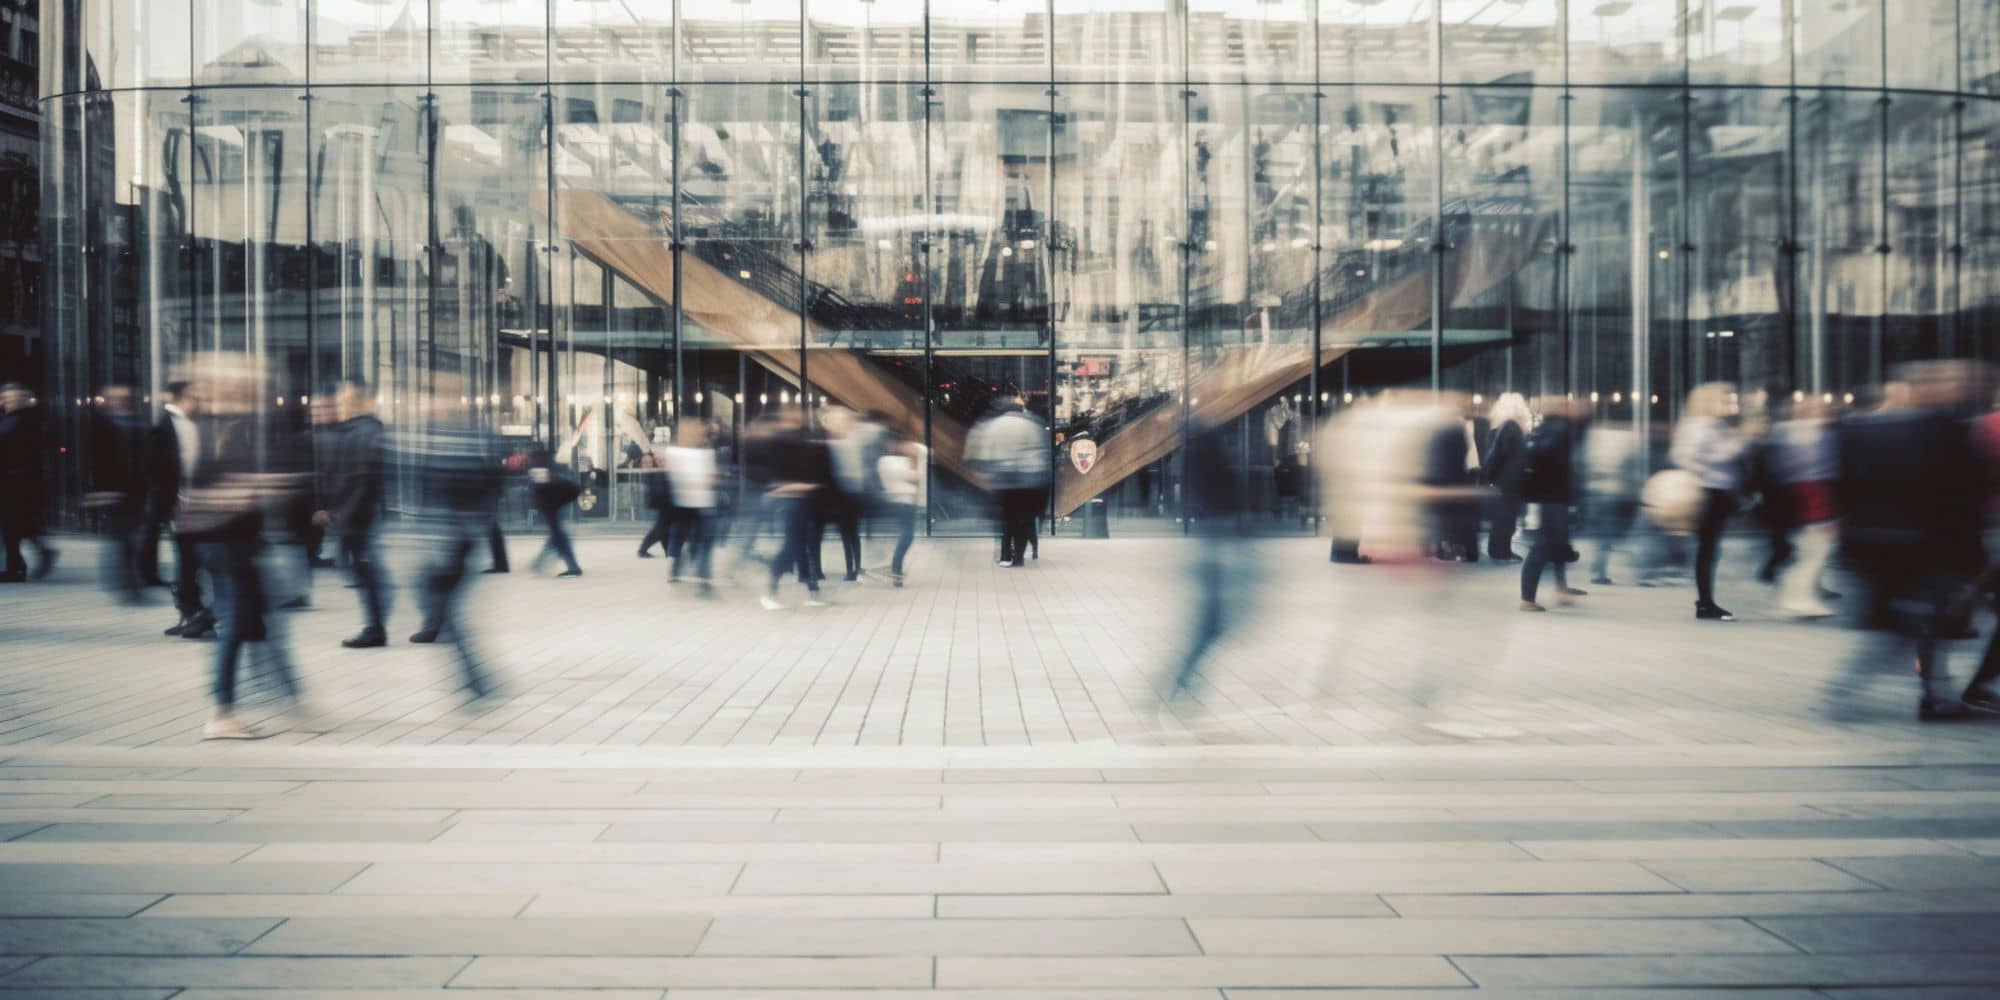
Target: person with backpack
(1547, 479)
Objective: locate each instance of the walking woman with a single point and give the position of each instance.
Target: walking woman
(1708, 445)
(1511, 420)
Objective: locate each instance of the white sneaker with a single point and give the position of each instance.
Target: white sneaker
(226, 727)
(1005, 564)
(815, 602)
(1806, 612)
(770, 603)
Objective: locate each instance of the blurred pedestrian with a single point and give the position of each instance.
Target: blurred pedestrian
(1911, 502)
(1548, 481)
(904, 471)
(1805, 465)
(800, 470)
(660, 498)
(460, 481)
(1223, 572)
(1707, 445)
(1613, 469)
(222, 512)
(24, 486)
(176, 450)
(691, 467)
(1771, 509)
(354, 493)
(1010, 451)
(552, 491)
(855, 443)
(118, 464)
(1511, 420)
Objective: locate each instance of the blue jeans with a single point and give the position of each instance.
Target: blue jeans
(1551, 549)
(239, 607)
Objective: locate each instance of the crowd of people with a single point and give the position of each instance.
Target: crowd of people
(1897, 486)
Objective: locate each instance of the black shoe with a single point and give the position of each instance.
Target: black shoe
(1503, 557)
(1981, 698)
(14, 577)
(296, 604)
(201, 632)
(368, 639)
(643, 554)
(320, 562)
(177, 628)
(494, 569)
(1601, 581)
(423, 636)
(1942, 710)
(850, 577)
(569, 572)
(1712, 613)
(200, 625)
(1828, 595)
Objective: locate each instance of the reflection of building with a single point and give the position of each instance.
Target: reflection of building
(20, 195)
(601, 221)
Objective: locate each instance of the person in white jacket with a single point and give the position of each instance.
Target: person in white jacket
(691, 472)
(904, 471)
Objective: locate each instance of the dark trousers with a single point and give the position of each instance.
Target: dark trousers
(444, 582)
(1018, 510)
(693, 538)
(1899, 607)
(152, 525)
(1551, 548)
(21, 522)
(661, 531)
(801, 528)
(843, 513)
(496, 544)
(557, 543)
(905, 517)
(122, 527)
(1716, 506)
(359, 548)
(1506, 516)
(240, 608)
(187, 577)
(1989, 665)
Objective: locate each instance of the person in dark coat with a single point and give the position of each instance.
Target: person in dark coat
(175, 451)
(1223, 570)
(460, 485)
(1548, 480)
(1502, 463)
(551, 491)
(118, 463)
(1912, 501)
(800, 470)
(23, 483)
(355, 486)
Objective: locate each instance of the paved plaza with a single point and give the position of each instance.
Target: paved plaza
(1389, 784)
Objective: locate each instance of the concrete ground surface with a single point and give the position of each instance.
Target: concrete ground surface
(1389, 783)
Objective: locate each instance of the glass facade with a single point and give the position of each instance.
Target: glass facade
(593, 219)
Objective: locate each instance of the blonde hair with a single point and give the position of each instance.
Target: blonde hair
(1511, 407)
(1711, 399)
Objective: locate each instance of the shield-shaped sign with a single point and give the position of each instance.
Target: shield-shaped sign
(1083, 454)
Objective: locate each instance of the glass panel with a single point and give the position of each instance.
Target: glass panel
(368, 41)
(1839, 43)
(1503, 202)
(991, 166)
(1367, 41)
(1740, 41)
(248, 190)
(1979, 283)
(747, 40)
(866, 40)
(249, 41)
(1839, 211)
(491, 280)
(1121, 152)
(489, 41)
(1743, 284)
(1979, 48)
(65, 375)
(1378, 218)
(1117, 40)
(1623, 161)
(1266, 40)
(992, 40)
(1928, 27)
(613, 40)
(137, 43)
(1923, 200)
(866, 288)
(741, 289)
(1625, 41)
(1515, 41)
(60, 52)
(371, 223)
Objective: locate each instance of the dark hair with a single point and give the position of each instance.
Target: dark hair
(177, 388)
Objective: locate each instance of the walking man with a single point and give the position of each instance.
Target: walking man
(354, 491)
